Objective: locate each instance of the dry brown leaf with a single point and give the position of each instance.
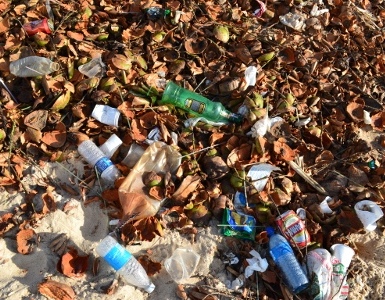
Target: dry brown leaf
(283, 150)
(56, 290)
(134, 204)
(189, 185)
(49, 204)
(6, 223)
(73, 265)
(151, 267)
(26, 241)
(149, 228)
(36, 119)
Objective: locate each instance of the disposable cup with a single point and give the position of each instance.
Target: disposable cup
(343, 253)
(111, 145)
(133, 155)
(106, 114)
(369, 213)
(182, 264)
(324, 205)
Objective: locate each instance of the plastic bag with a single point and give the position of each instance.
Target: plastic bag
(136, 203)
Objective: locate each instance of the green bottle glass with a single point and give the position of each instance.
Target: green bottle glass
(197, 105)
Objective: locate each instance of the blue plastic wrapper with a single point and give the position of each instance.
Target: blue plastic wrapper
(239, 225)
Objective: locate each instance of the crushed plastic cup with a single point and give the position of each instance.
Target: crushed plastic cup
(324, 205)
(369, 213)
(111, 145)
(94, 68)
(343, 253)
(182, 264)
(133, 155)
(106, 114)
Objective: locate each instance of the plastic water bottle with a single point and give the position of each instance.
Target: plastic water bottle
(33, 66)
(96, 158)
(284, 258)
(197, 105)
(124, 263)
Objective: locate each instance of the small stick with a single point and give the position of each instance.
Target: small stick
(8, 90)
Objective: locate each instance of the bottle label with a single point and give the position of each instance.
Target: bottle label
(293, 229)
(194, 105)
(280, 250)
(102, 164)
(117, 257)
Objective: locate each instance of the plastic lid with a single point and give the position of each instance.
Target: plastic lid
(150, 288)
(270, 231)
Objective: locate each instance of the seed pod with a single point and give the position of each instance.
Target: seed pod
(266, 57)
(222, 33)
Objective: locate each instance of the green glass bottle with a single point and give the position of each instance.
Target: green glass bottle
(197, 105)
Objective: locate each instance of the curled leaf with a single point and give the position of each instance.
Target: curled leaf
(72, 264)
(56, 290)
(26, 241)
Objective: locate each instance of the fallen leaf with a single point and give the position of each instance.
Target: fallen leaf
(188, 185)
(56, 290)
(73, 265)
(26, 241)
(151, 267)
(6, 223)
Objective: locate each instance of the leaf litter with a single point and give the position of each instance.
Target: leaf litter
(318, 70)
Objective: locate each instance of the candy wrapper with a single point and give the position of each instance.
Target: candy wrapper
(239, 225)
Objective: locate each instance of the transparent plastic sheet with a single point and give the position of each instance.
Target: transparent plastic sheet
(136, 203)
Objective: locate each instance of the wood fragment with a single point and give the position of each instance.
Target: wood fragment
(307, 178)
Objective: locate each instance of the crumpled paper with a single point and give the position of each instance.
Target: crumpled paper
(256, 263)
(250, 76)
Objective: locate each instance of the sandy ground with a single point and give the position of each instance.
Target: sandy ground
(87, 225)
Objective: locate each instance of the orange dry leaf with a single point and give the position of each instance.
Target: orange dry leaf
(283, 150)
(6, 223)
(188, 186)
(134, 205)
(57, 137)
(56, 290)
(49, 203)
(151, 267)
(148, 228)
(73, 265)
(26, 241)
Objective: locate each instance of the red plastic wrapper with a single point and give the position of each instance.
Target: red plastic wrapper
(293, 229)
(45, 25)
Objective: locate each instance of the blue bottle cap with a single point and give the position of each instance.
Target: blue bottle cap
(270, 231)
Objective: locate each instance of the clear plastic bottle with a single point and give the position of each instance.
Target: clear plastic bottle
(283, 256)
(197, 105)
(33, 66)
(96, 158)
(124, 263)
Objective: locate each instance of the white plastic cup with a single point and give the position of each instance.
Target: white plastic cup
(182, 264)
(369, 213)
(343, 254)
(111, 145)
(324, 205)
(133, 155)
(106, 114)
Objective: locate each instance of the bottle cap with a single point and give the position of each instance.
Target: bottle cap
(270, 231)
(150, 288)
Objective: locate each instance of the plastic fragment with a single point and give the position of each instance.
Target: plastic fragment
(259, 174)
(256, 263)
(251, 76)
(295, 21)
(262, 126)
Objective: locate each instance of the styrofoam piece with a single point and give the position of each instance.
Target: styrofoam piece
(369, 213)
(259, 174)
